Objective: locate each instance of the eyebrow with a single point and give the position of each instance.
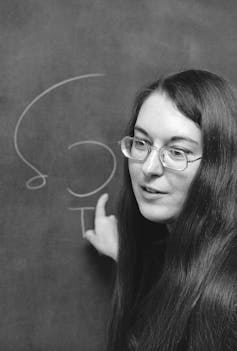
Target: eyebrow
(174, 138)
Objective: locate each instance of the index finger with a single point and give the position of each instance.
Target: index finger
(100, 206)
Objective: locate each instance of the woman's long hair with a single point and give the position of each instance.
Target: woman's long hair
(186, 299)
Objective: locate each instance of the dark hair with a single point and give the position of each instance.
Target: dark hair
(178, 290)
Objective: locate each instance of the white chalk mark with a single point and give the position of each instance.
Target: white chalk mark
(82, 215)
(80, 208)
(110, 176)
(41, 176)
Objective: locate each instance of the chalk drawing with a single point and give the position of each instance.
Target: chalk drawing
(82, 209)
(39, 180)
(78, 143)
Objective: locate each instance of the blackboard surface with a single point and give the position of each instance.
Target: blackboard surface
(69, 72)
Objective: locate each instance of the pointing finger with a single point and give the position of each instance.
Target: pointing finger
(100, 207)
(89, 233)
(91, 237)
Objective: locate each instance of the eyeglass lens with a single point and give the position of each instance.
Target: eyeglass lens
(139, 150)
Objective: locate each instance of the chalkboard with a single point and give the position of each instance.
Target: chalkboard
(69, 73)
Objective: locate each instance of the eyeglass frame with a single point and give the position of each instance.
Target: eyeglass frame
(159, 150)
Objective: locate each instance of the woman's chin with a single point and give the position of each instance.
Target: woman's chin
(157, 215)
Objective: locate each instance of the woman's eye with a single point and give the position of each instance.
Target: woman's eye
(139, 144)
(176, 153)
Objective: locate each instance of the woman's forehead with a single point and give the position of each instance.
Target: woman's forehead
(160, 118)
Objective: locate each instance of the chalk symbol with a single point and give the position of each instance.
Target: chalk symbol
(78, 143)
(41, 177)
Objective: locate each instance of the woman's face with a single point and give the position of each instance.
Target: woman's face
(160, 192)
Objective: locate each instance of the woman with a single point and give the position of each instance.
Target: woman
(176, 252)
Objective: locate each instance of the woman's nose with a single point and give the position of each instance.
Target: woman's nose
(152, 165)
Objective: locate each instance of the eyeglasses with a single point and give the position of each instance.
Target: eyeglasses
(170, 157)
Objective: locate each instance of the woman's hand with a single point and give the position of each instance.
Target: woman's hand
(104, 237)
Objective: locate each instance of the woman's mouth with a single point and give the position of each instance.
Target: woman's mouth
(151, 191)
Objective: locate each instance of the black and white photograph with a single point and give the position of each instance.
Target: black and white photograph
(118, 175)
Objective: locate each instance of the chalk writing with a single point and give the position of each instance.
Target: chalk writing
(80, 195)
(78, 143)
(39, 180)
(82, 209)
